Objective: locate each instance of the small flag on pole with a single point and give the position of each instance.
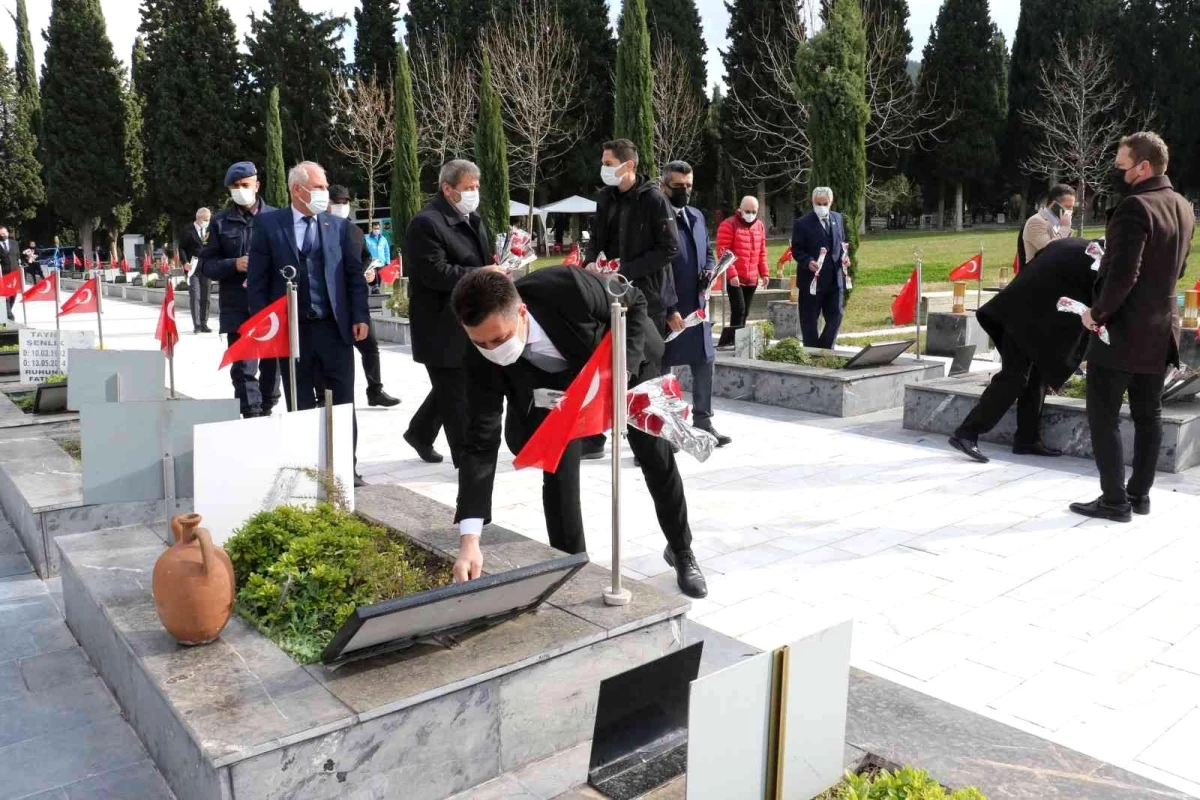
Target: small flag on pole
(265, 335)
(970, 270)
(904, 307)
(167, 332)
(45, 290)
(83, 300)
(10, 284)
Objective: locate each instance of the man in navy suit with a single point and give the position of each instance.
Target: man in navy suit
(819, 228)
(331, 291)
(693, 347)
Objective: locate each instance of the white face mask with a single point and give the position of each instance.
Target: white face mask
(749, 216)
(468, 203)
(505, 354)
(318, 200)
(242, 196)
(609, 175)
(821, 211)
(341, 210)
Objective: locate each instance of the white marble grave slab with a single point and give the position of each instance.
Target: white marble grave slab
(141, 373)
(815, 714)
(728, 732)
(41, 356)
(251, 465)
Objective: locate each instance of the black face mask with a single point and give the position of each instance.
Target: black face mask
(680, 196)
(1116, 177)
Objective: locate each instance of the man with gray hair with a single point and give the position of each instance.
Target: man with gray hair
(820, 229)
(191, 242)
(444, 242)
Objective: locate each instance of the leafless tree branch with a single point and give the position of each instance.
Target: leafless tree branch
(445, 94)
(679, 114)
(364, 128)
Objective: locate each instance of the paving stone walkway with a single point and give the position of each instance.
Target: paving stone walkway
(971, 583)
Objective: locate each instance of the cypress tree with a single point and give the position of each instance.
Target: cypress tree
(833, 75)
(678, 21)
(85, 169)
(275, 192)
(20, 185)
(406, 171)
(491, 153)
(26, 69)
(375, 41)
(633, 116)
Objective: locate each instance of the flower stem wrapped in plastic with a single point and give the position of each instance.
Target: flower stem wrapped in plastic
(657, 407)
(1075, 307)
(812, 287)
(604, 265)
(514, 250)
(706, 280)
(846, 265)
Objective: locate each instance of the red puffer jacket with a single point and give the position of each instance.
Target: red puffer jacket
(749, 244)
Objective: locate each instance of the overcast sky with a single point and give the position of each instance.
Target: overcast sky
(123, 18)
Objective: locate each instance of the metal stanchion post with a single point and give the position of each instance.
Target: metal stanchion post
(618, 596)
(289, 275)
(979, 285)
(917, 315)
(100, 308)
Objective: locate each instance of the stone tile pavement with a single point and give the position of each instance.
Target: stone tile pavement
(971, 583)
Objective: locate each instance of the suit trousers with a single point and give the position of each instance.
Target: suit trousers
(199, 292)
(325, 360)
(740, 298)
(1018, 381)
(560, 495)
(444, 407)
(368, 350)
(827, 303)
(702, 381)
(1105, 389)
(249, 378)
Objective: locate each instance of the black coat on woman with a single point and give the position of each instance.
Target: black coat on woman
(1026, 312)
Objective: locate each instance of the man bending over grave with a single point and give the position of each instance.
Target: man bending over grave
(538, 334)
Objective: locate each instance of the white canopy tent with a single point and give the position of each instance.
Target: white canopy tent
(518, 209)
(571, 205)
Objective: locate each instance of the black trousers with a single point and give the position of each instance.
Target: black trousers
(827, 303)
(199, 292)
(1018, 381)
(560, 494)
(740, 298)
(596, 443)
(326, 361)
(249, 378)
(368, 350)
(444, 407)
(1105, 389)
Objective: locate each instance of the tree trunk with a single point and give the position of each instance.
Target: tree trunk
(370, 197)
(941, 220)
(1024, 214)
(958, 206)
(86, 228)
(862, 215)
(761, 191)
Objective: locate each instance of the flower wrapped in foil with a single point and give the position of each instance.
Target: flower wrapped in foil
(1095, 251)
(657, 407)
(812, 287)
(514, 250)
(1076, 307)
(604, 265)
(706, 280)
(846, 265)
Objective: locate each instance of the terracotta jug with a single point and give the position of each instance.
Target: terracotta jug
(193, 584)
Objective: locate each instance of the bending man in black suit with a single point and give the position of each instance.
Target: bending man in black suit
(539, 333)
(10, 261)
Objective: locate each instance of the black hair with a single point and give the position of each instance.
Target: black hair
(481, 293)
(1058, 191)
(337, 191)
(623, 149)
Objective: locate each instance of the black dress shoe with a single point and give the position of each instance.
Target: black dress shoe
(358, 481)
(426, 451)
(969, 449)
(1099, 509)
(1036, 449)
(381, 398)
(722, 440)
(687, 572)
(1139, 504)
(591, 450)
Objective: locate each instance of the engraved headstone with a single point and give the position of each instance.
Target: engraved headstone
(41, 355)
(748, 342)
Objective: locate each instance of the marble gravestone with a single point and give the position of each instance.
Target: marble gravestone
(41, 355)
(123, 446)
(729, 726)
(748, 342)
(141, 376)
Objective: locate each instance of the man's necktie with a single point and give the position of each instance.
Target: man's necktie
(542, 361)
(310, 237)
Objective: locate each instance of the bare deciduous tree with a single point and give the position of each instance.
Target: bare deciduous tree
(536, 71)
(364, 128)
(445, 95)
(679, 114)
(1085, 109)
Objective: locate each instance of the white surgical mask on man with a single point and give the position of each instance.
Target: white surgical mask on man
(504, 354)
(821, 211)
(318, 200)
(242, 195)
(609, 175)
(468, 203)
(340, 210)
(749, 216)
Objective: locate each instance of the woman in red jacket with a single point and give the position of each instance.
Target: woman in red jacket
(744, 234)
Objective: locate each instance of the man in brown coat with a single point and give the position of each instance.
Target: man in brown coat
(1146, 248)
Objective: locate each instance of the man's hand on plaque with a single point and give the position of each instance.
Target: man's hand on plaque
(470, 559)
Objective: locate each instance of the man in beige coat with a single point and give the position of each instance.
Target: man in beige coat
(1052, 222)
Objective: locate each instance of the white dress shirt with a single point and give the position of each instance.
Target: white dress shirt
(537, 341)
(299, 227)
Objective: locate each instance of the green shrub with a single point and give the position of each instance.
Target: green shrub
(905, 783)
(10, 348)
(302, 572)
(56, 377)
(790, 351)
(397, 302)
(768, 329)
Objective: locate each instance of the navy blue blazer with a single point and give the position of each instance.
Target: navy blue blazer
(694, 345)
(808, 237)
(273, 247)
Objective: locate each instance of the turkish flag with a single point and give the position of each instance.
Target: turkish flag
(971, 270)
(585, 410)
(112, 259)
(904, 307)
(1016, 263)
(265, 335)
(75, 260)
(124, 265)
(45, 290)
(10, 284)
(83, 300)
(786, 257)
(167, 332)
(146, 263)
(574, 258)
(87, 263)
(389, 273)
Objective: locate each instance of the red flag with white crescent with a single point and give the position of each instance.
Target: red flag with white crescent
(83, 300)
(904, 307)
(167, 332)
(146, 263)
(574, 258)
(265, 335)
(389, 273)
(585, 410)
(75, 260)
(10, 284)
(45, 290)
(971, 270)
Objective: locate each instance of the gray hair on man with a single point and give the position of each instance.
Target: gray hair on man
(203, 213)
(822, 193)
(302, 173)
(452, 172)
(676, 168)
(749, 203)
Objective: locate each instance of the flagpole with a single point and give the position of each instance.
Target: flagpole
(289, 274)
(57, 316)
(917, 314)
(979, 286)
(24, 306)
(99, 319)
(618, 596)
(171, 368)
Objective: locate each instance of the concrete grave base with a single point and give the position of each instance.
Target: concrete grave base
(785, 316)
(939, 406)
(391, 329)
(948, 331)
(240, 719)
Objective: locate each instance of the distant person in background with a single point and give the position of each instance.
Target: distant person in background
(33, 267)
(377, 245)
(191, 243)
(10, 261)
(820, 228)
(745, 235)
(1049, 224)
